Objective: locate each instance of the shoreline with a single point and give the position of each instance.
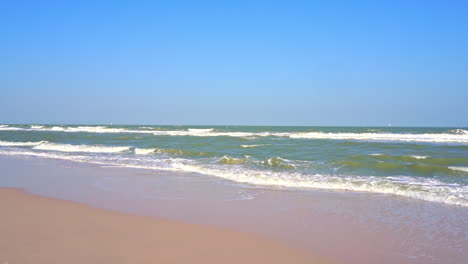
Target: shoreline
(390, 229)
(37, 229)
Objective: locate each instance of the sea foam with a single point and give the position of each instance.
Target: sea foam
(21, 144)
(80, 148)
(458, 136)
(144, 151)
(458, 168)
(412, 187)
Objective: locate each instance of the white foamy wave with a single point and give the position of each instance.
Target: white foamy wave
(252, 146)
(209, 133)
(9, 128)
(87, 129)
(457, 168)
(458, 136)
(80, 148)
(144, 151)
(200, 130)
(419, 157)
(424, 189)
(429, 138)
(412, 187)
(21, 144)
(458, 131)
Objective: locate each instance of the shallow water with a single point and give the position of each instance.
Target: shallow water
(347, 227)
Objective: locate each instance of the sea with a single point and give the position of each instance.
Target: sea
(424, 163)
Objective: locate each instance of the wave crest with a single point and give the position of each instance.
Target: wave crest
(452, 136)
(21, 144)
(412, 187)
(457, 131)
(278, 163)
(144, 151)
(80, 148)
(231, 161)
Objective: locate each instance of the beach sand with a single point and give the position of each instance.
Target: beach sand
(36, 229)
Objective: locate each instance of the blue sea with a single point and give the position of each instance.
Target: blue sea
(422, 163)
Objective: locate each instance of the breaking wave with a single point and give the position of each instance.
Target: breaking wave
(456, 168)
(231, 161)
(428, 189)
(21, 144)
(252, 146)
(80, 148)
(457, 131)
(383, 137)
(459, 136)
(143, 151)
(277, 163)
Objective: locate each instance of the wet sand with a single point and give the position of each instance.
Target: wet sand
(344, 227)
(35, 229)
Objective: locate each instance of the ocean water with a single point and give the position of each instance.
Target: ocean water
(423, 163)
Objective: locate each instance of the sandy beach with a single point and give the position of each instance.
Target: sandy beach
(103, 214)
(36, 229)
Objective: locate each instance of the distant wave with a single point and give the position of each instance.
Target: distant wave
(419, 157)
(457, 168)
(429, 138)
(402, 158)
(457, 131)
(9, 128)
(21, 144)
(252, 146)
(200, 130)
(458, 136)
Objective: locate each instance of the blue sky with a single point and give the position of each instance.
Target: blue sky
(235, 62)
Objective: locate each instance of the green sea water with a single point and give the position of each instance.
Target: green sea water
(423, 163)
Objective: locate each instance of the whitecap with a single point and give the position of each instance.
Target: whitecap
(144, 151)
(80, 148)
(458, 168)
(413, 187)
(21, 144)
(252, 146)
(419, 157)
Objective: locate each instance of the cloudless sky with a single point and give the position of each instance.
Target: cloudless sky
(235, 62)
